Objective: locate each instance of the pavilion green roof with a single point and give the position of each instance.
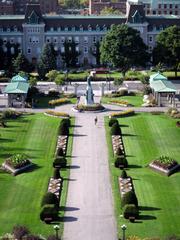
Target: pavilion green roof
(157, 76)
(17, 87)
(163, 86)
(19, 78)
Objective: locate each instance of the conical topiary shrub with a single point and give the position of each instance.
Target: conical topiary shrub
(115, 129)
(130, 211)
(50, 198)
(129, 198)
(123, 174)
(63, 129)
(56, 173)
(60, 152)
(112, 121)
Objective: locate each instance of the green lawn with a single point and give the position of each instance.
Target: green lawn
(135, 101)
(20, 196)
(146, 137)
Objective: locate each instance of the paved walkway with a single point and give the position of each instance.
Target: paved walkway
(90, 213)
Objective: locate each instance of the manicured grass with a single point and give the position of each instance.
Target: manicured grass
(20, 196)
(146, 137)
(136, 101)
(43, 102)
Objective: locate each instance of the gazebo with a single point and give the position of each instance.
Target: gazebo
(17, 91)
(162, 87)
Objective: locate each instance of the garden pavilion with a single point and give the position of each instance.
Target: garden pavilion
(162, 87)
(17, 91)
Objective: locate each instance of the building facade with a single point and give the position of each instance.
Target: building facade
(160, 7)
(6, 7)
(33, 30)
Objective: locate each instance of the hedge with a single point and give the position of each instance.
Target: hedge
(48, 213)
(50, 198)
(129, 198)
(121, 162)
(60, 162)
(112, 121)
(126, 113)
(130, 210)
(63, 129)
(115, 129)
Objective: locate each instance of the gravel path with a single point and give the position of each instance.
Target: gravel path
(90, 213)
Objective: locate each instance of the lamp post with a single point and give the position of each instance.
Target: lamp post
(56, 228)
(123, 227)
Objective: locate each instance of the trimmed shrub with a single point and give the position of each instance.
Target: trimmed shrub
(60, 152)
(50, 198)
(19, 231)
(66, 121)
(130, 210)
(56, 174)
(10, 114)
(129, 198)
(120, 162)
(60, 162)
(124, 174)
(115, 129)
(48, 213)
(112, 121)
(63, 129)
(119, 152)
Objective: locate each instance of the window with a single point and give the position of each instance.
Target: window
(159, 12)
(73, 28)
(51, 29)
(94, 39)
(170, 12)
(12, 40)
(97, 28)
(59, 29)
(85, 39)
(165, 6)
(77, 48)
(62, 39)
(8, 29)
(29, 51)
(154, 12)
(62, 49)
(69, 39)
(48, 40)
(55, 39)
(4, 40)
(1, 29)
(159, 5)
(76, 39)
(150, 48)
(66, 29)
(81, 28)
(85, 50)
(170, 5)
(30, 40)
(89, 28)
(150, 39)
(19, 40)
(15, 29)
(101, 38)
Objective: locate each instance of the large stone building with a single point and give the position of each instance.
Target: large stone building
(159, 7)
(33, 30)
(6, 7)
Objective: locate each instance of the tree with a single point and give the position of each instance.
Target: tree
(32, 81)
(96, 53)
(21, 64)
(47, 60)
(110, 11)
(123, 47)
(167, 50)
(59, 80)
(51, 75)
(70, 54)
(72, 4)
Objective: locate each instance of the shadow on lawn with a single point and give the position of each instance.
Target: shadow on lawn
(73, 167)
(128, 135)
(68, 209)
(145, 208)
(146, 217)
(133, 166)
(6, 140)
(69, 179)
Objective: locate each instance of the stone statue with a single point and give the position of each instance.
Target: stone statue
(89, 90)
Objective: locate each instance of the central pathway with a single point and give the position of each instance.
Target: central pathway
(89, 209)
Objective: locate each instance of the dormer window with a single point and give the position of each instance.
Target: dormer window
(51, 29)
(137, 18)
(8, 29)
(97, 27)
(89, 28)
(1, 29)
(81, 28)
(66, 28)
(59, 29)
(73, 28)
(15, 29)
(33, 18)
(104, 28)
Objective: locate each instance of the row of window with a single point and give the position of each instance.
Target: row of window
(15, 29)
(75, 39)
(154, 12)
(80, 28)
(62, 49)
(12, 40)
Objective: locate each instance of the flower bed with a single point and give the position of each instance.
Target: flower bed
(55, 186)
(165, 165)
(57, 114)
(59, 101)
(117, 143)
(126, 113)
(125, 185)
(62, 143)
(119, 102)
(94, 107)
(17, 163)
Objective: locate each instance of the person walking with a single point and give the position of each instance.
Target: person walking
(95, 120)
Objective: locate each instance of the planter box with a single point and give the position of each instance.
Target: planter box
(162, 170)
(18, 170)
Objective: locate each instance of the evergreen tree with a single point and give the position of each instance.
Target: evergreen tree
(21, 64)
(47, 60)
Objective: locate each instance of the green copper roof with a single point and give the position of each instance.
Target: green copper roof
(163, 86)
(157, 76)
(19, 78)
(17, 87)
